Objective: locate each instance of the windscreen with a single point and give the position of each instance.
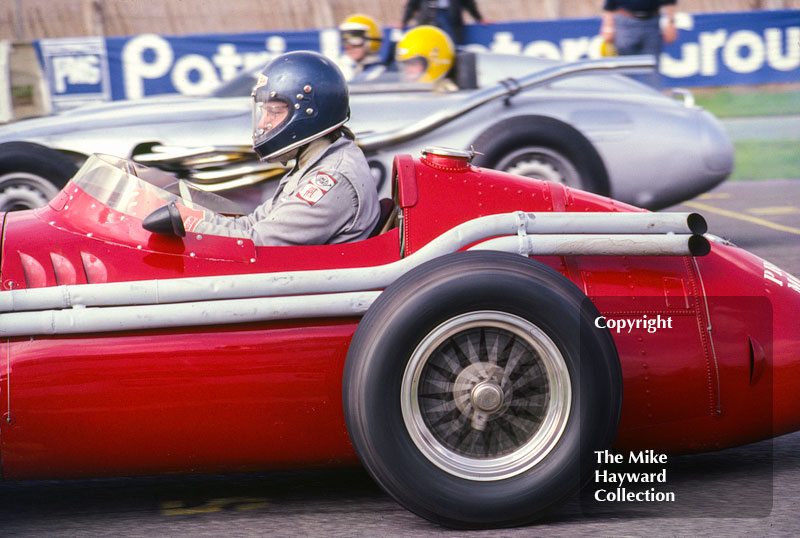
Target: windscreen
(136, 190)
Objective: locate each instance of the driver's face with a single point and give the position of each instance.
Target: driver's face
(274, 112)
(355, 50)
(412, 69)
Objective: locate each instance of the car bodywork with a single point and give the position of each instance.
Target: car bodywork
(129, 352)
(579, 124)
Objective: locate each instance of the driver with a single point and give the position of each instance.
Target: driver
(426, 54)
(300, 105)
(361, 39)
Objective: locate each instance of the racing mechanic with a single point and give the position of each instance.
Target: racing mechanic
(634, 25)
(300, 105)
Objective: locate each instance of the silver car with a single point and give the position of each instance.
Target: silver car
(584, 124)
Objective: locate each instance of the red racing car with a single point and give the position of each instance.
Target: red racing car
(474, 355)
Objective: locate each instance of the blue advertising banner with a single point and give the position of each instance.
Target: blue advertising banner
(712, 50)
(718, 49)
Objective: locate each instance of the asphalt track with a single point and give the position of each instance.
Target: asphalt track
(746, 491)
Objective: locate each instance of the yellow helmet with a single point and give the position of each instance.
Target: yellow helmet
(364, 27)
(430, 44)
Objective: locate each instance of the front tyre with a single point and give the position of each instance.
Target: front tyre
(476, 390)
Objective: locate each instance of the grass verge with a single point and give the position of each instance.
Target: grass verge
(766, 159)
(739, 103)
(757, 159)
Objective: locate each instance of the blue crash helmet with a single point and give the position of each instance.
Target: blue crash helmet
(299, 97)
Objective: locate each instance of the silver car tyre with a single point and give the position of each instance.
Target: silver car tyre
(31, 175)
(543, 148)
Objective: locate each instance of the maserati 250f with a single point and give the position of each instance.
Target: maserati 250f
(469, 354)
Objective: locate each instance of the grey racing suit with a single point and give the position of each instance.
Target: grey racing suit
(329, 197)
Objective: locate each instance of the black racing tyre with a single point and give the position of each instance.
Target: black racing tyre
(31, 174)
(543, 148)
(476, 389)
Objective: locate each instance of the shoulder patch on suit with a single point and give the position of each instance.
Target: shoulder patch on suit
(313, 191)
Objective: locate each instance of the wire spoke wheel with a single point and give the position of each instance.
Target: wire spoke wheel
(486, 395)
(476, 389)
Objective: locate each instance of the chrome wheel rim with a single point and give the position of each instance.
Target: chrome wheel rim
(540, 163)
(486, 395)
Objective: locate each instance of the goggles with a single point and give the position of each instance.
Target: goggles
(353, 38)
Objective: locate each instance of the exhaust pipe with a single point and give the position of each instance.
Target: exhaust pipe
(600, 245)
(218, 300)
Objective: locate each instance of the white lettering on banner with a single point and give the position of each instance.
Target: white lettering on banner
(136, 69)
(228, 61)
(573, 50)
(76, 70)
(543, 49)
(190, 74)
(735, 57)
(569, 49)
(743, 51)
(181, 75)
(686, 66)
(775, 57)
(503, 43)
